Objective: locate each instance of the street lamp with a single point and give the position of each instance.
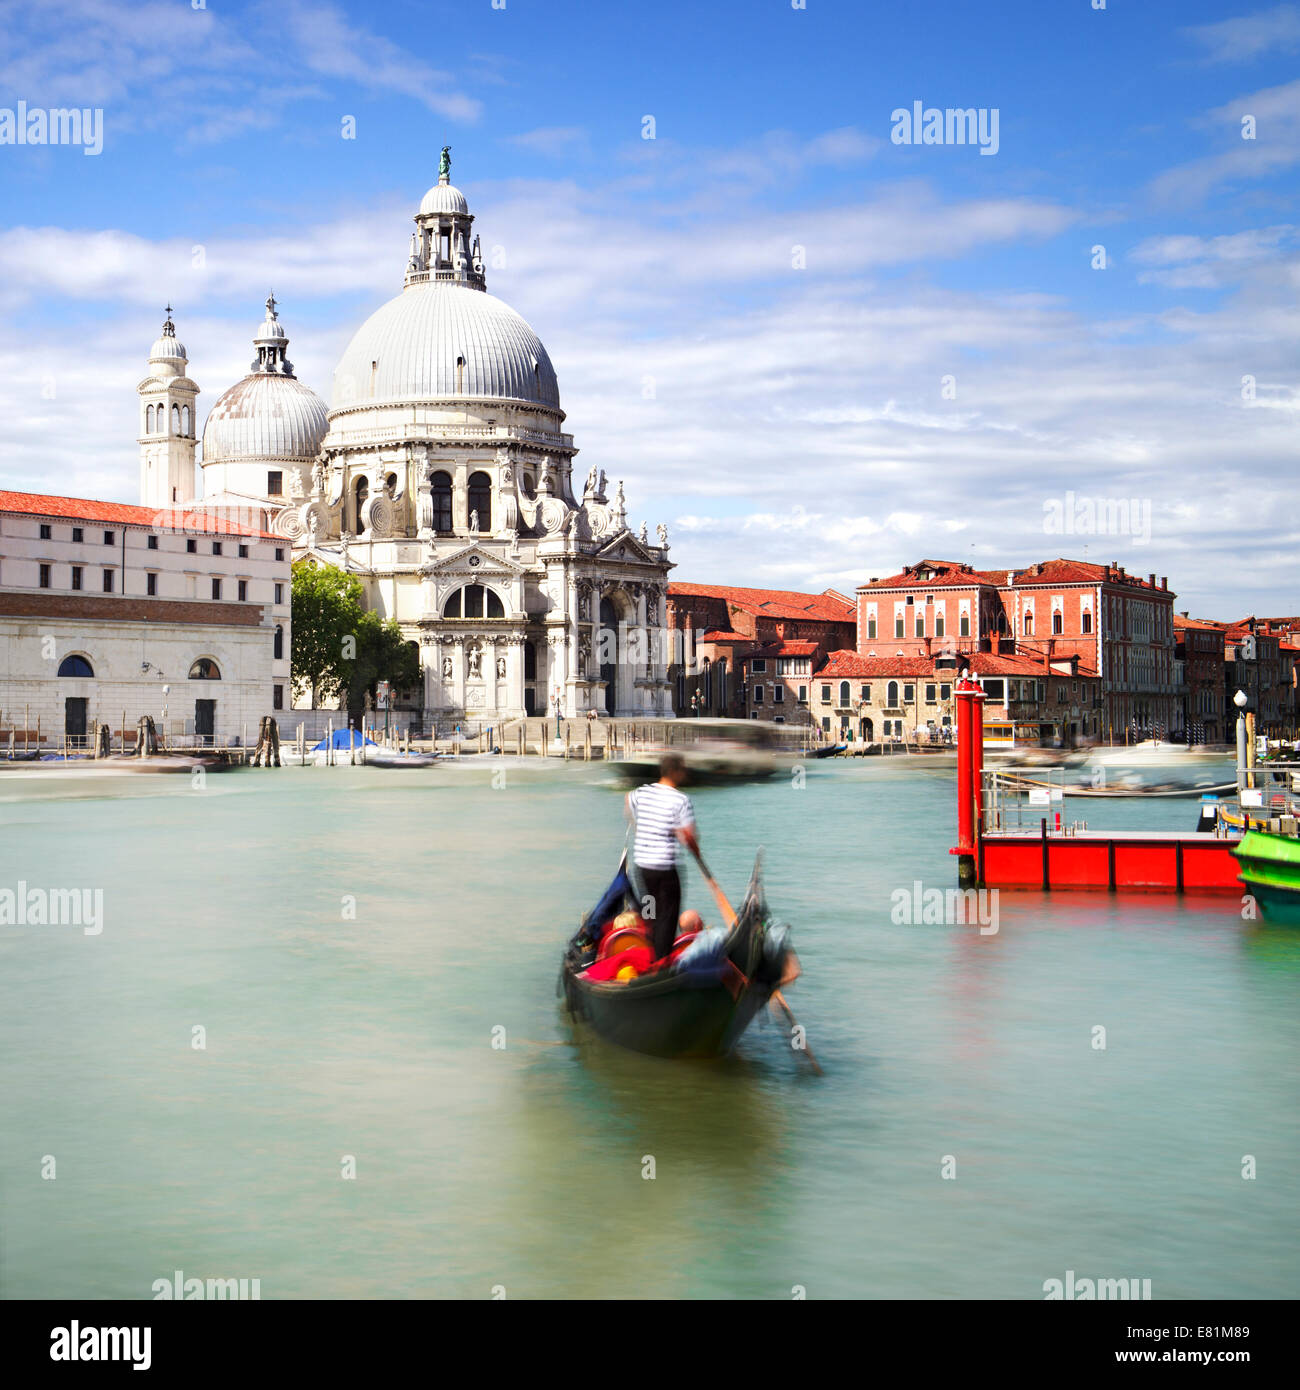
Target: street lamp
(555, 701)
(167, 690)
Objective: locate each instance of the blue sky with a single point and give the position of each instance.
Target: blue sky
(789, 422)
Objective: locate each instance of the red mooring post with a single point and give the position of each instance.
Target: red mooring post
(970, 772)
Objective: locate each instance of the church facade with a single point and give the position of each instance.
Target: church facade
(441, 477)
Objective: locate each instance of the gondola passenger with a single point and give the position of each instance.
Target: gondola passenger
(665, 820)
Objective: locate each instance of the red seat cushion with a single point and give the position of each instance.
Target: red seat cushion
(639, 957)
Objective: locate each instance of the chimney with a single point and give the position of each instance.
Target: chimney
(1152, 579)
(1164, 581)
(927, 646)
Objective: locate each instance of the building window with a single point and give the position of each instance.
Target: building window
(152, 543)
(205, 669)
(216, 547)
(1087, 620)
(898, 626)
(243, 552)
(963, 625)
(110, 537)
(803, 694)
(45, 577)
(279, 593)
(474, 601)
(279, 552)
(865, 693)
(192, 546)
(108, 581)
(1057, 624)
(891, 694)
(77, 534)
(441, 488)
(871, 629)
(945, 691)
(274, 483)
(1027, 625)
(920, 624)
(758, 694)
(938, 625)
(929, 695)
(844, 694)
(216, 587)
(480, 500)
(909, 694)
(778, 694)
(758, 665)
(826, 694)
(76, 576)
(277, 697)
(360, 493)
(243, 591)
(77, 667)
(278, 652)
(46, 533)
(151, 585)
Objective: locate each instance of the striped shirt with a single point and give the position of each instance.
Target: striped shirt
(659, 810)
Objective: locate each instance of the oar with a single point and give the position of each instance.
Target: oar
(729, 917)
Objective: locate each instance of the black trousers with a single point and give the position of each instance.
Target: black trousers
(665, 888)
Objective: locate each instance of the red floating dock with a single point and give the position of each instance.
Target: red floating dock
(1151, 861)
(1156, 861)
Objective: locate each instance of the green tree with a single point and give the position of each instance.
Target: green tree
(382, 654)
(327, 613)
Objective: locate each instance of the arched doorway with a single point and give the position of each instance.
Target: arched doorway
(607, 645)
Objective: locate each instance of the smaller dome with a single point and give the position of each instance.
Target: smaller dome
(167, 349)
(443, 197)
(265, 417)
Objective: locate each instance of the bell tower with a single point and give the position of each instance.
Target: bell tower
(167, 424)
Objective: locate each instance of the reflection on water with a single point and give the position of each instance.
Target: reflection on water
(350, 939)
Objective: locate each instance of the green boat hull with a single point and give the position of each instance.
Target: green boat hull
(1270, 872)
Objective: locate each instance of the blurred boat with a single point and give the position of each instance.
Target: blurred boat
(1270, 872)
(682, 1011)
(717, 752)
(349, 746)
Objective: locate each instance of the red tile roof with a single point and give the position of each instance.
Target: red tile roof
(124, 514)
(828, 606)
(718, 634)
(1062, 571)
(949, 574)
(1198, 624)
(786, 649)
(946, 574)
(851, 664)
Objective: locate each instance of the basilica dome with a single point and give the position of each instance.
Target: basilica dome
(269, 415)
(439, 340)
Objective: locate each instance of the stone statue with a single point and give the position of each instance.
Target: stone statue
(444, 164)
(591, 481)
(473, 520)
(318, 477)
(311, 530)
(475, 662)
(584, 601)
(501, 668)
(584, 653)
(662, 532)
(644, 535)
(571, 526)
(446, 668)
(600, 491)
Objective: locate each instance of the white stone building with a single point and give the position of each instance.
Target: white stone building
(109, 611)
(443, 480)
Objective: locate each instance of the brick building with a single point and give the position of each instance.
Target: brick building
(750, 653)
(1029, 700)
(1117, 625)
(1199, 657)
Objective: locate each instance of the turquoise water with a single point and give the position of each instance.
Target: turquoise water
(520, 1168)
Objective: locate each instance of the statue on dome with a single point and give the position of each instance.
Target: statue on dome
(444, 164)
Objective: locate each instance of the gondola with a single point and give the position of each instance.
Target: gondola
(692, 1011)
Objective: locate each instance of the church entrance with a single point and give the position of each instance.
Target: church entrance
(205, 720)
(607, 638)
(74, 720)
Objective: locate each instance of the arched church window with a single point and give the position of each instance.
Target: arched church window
(205, 669)
(278, 654)
(148, 419)
(176, 419)
(185, 419)
(360, 492)
(390, 485)
(474, 601)
(708, 682)
(441, 502)
(76, 666)
(480, 499)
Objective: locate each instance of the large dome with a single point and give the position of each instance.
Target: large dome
(439, 341)
(265, 417)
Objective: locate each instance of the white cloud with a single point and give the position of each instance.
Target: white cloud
(1246, 37)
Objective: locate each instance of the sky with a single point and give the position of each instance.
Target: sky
(815, 351)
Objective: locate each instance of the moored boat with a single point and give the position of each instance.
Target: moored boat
(1270, 871)
(698, 1008)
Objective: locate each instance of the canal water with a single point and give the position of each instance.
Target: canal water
(352, 941)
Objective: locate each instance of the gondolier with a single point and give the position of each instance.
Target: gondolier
(665, 820)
